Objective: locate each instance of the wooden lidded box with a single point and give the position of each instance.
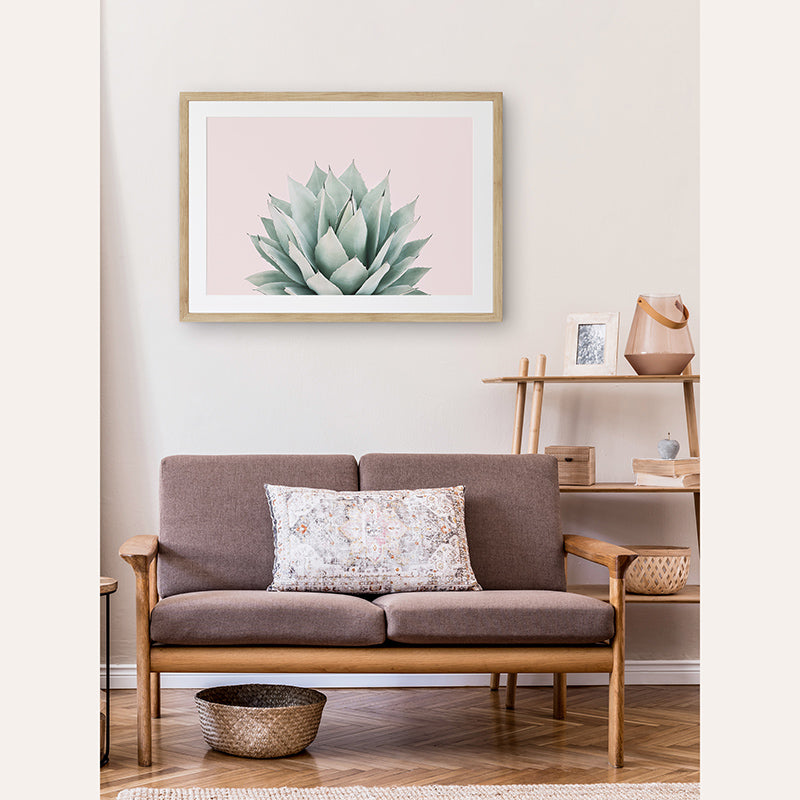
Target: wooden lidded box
(575, 464)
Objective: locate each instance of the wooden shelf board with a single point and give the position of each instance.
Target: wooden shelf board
(596, 379)
(689, 594)
(628, 487)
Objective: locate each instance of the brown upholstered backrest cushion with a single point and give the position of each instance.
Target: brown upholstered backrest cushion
(512, 510)
(215, 530)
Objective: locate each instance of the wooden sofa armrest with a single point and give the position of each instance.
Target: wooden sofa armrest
(139, 552)
(615, 558)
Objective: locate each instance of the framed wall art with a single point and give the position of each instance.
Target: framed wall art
(590, 346)
(341, 206)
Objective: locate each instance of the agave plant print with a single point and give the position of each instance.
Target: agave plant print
(335, 237)
(341, 206)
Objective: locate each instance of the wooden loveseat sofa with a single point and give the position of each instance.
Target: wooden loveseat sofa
(201, 604)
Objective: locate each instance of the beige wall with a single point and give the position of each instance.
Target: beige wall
(600, 203)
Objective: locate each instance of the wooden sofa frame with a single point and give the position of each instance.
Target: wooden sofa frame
(141, 553)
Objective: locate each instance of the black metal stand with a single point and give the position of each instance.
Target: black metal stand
(104, 759)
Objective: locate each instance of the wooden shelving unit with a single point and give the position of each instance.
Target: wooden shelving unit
(690, 594)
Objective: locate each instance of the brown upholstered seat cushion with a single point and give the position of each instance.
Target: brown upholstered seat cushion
(242, 617)
(496, 617)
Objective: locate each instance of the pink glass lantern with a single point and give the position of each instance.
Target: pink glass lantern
(659, 342)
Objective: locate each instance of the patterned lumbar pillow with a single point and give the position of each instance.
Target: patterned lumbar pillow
(401, 540)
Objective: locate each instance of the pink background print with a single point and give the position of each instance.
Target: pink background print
(249, 158)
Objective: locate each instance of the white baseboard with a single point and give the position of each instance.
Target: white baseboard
(123, 676)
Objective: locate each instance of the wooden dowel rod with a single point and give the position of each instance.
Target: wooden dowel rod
(519, 410)
(694, 439)
(536, 404)
(691, 416)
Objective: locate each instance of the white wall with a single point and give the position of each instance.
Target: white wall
(600, 203)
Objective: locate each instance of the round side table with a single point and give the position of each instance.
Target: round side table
(107, 587)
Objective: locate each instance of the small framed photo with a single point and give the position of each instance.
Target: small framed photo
(591, 344)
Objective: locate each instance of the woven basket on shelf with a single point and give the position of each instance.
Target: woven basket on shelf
(259, 720)
(658, 570)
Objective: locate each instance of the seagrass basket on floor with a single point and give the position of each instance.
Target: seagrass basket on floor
(259, 720)
(659, 569)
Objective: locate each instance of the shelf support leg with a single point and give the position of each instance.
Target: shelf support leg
(536, 404)
(694, 440)
(519, 408)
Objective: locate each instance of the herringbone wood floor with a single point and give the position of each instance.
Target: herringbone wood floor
(385, 737)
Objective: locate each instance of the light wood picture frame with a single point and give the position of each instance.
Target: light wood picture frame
(591, 343)
(340, 206)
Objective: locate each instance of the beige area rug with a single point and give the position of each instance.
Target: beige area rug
(586, 791)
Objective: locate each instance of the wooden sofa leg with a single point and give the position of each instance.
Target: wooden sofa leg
(143, 696)
(616, 680)
(616, 718)
(494, 682)
(559, 695)
(155, 695)
(511, 690)
(143, 718)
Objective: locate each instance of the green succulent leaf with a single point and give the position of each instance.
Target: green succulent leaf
(327, 215)
(269, 227)
(289, 232)
(350, 276)
(397, 289)
(404, 263)
(398, 240)
(418, 291)
(411, 276)
(375, 194)
(373, 220)
(395, 273)
(301, 261)
(381, 256)
(353, 236)
(303, 209)
(295, 289)
(346, 214)
(329, 254)
(321, 285)
(352, 179)
(281, 204)
(371, 283)
(282, 229)
(275, 288)
(317, 179)
(413, 248)
(270, 276)
(403, 216)
(385, 217)
(339, 193)
(273, 254)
